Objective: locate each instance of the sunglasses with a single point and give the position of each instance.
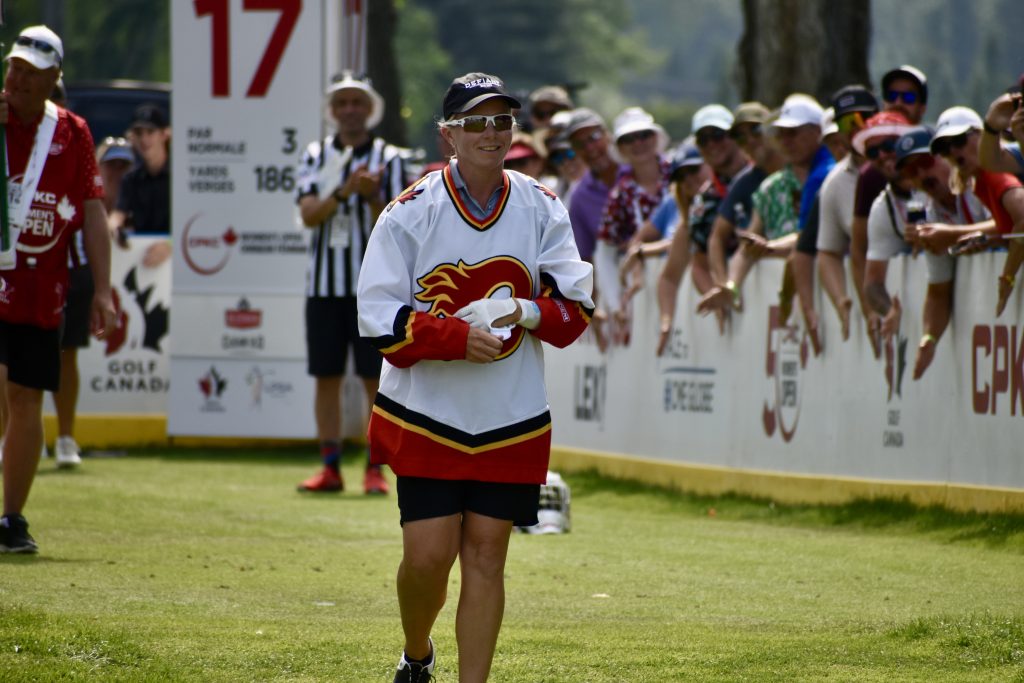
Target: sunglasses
(684, 172)
(712, 135)
(740, 135)
(478, 124)
(896, 95)
(850, 123)
(543, 113)
(943, 146)
(561, 156)
(888, 146)
(594, 136)
(43, 47)
(915, 164)
(630, 138)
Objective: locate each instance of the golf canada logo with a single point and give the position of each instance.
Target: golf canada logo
(785, 359)
(212, 386)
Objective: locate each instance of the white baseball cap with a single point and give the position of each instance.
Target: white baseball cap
(714, 115)
(954, 121)
(799, 110)
(39, 46)
(828, 123)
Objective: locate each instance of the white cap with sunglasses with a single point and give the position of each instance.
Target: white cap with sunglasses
(39, 46)
(953, 122)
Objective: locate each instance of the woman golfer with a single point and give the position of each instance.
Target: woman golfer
(465, 274)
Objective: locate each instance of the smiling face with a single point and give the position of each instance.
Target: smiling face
(638, 147)
(482, 151)
(963, 152)
(350, 107)
(27, 87)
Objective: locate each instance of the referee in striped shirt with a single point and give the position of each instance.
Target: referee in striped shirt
(344, 182)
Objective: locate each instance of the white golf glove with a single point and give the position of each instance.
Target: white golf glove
(483, 312)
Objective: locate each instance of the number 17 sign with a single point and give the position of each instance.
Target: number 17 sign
(248, 77)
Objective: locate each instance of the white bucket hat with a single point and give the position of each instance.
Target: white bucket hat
(635, 119)
(347, 81)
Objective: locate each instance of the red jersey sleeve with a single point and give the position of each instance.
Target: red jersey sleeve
(562, 320)
(421, 336)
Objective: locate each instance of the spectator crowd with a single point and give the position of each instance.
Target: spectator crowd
(864, 176)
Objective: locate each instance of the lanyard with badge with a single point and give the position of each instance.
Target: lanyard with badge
(19, 195)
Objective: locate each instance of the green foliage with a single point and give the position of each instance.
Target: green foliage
(426, 71)
(187, 565)
(102, 38)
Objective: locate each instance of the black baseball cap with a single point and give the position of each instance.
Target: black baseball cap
(149, 115)
(467, 91)
(854, 98)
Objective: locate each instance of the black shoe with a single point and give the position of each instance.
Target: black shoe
(14, 537)
(415, 672)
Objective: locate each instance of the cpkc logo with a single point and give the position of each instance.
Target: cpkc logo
(207, 245)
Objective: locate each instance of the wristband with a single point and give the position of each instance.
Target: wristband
(529, 314)
(989, 129)
(929, 337)
(730, 287)
(1008, 279)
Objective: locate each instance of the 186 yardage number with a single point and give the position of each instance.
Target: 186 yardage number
(219, 12)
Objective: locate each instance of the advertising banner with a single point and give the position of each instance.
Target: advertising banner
(758, 398)
(247, 98)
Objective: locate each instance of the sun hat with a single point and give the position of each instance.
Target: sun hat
(882, 124)
(346, 80)
(635, 119)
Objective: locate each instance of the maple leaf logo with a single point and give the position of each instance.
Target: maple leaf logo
(66, 209)
(230, 236)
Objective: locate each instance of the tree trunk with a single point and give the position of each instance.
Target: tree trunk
(809, 46)
(382, 67)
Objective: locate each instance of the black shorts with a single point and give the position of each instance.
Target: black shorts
(31, 354)
(420, 498)
(77, 309)
(331, 327)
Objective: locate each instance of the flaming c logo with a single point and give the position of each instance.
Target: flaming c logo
(449, 287)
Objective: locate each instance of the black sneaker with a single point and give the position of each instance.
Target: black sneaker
(14, 537)
(415, 672)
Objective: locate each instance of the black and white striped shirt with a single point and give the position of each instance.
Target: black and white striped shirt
(336, 250)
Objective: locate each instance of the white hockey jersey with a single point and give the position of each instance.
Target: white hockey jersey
(436, 414)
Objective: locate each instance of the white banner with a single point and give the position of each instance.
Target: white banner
(757, 398)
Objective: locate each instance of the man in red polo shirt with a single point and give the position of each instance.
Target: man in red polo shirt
(54, 189)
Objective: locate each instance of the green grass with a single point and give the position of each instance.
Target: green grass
(208, 566)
